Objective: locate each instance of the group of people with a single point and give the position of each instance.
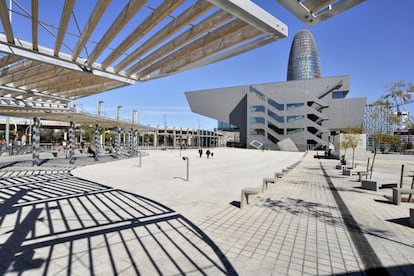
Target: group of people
(208, 153)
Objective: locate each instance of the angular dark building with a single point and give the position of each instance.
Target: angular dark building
(303, 58)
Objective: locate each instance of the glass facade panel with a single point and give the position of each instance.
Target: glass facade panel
(256, 120)
(272, 138)
(276, 117)
(294, 130)
(276, 105)
(225, 126)
(257, 131)
(253, 91)
(257, 108)
(280, 131)
(303, 58)
(294, 105)
(294, 118)
(338, 95)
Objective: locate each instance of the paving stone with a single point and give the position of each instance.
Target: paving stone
(294, 228)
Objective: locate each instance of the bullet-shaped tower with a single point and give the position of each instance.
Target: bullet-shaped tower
(303, 58)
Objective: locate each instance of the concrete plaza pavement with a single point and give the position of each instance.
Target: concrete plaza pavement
(142, 216)
(213, 182)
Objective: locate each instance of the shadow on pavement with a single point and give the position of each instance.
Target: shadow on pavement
(61, 224)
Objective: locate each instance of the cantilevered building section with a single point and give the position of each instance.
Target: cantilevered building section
(306, 111)
(304, 60)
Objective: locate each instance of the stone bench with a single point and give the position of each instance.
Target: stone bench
(374, 185)
(266, 182)
(341, 166)
(349, 172)
(361, 174)
(397, 192)
(245, 193)
(278, 175)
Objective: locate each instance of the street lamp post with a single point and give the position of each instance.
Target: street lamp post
(117, 112)
(185, 158)
(98, 107)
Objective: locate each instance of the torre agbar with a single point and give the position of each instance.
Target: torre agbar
(307, 109)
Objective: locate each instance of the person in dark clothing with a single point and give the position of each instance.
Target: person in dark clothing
(200, 151)
(208, 153)
(91, 151)
(343, 161)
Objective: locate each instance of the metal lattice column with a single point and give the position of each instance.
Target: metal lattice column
(72, 143)
(97, 141)
(36, 141)
(136, 142)
(130, 150)
(117, 141)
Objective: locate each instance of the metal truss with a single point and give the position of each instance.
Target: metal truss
(312, 12)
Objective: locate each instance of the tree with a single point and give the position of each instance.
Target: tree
(351, 139)
(380, 141)
(399, 92)
(88, 133)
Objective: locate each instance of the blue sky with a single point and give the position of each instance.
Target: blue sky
(372, 43)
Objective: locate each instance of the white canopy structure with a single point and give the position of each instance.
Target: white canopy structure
(54, 53)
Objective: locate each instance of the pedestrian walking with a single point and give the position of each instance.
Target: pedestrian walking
(200, 151)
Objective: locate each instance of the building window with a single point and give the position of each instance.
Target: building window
(257, 131)
(276, 105)
(294, 130)
(257, 93)
(226, 126)
(338, 95)
(294, 105)
(257, 108)
(279, 131)
(294, 118)
(256, 120)
(276, 117)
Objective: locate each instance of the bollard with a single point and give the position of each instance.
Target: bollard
(188, 167)
(139, 155)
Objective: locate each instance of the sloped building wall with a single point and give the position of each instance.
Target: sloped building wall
(306, 111)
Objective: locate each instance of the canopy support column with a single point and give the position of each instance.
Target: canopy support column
(97, 141)
(71, 142)
(36, 141)
(117, 141)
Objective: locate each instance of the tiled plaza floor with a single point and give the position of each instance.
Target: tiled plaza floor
(313, 221)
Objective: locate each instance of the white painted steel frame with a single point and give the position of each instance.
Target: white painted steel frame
(313, 12)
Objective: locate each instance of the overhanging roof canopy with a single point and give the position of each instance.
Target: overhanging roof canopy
(55, 52)
(312, 12)
(67, 49)
(69, 115)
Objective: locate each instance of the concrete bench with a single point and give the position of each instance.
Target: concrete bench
(397, 192)
(267, 181)
(342, 166)
(361, 174)
(374, 185)
(412, 217)
(245, 193)
(349, 172)
(278, 175)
